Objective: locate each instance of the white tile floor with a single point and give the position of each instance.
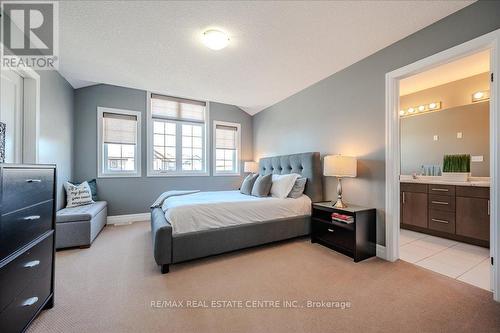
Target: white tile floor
(467, 263)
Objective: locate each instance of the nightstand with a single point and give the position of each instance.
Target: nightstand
(356, 240)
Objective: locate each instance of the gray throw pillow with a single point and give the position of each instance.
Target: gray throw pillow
(298, 188)
(262, 186)
(247, 185)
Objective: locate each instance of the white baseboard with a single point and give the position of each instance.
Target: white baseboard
(381, 252)
(128, 219)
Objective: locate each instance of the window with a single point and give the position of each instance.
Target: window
(177, 133)
(119, 134)
(227, 137)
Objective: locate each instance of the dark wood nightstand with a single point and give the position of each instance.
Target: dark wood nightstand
(356, 240)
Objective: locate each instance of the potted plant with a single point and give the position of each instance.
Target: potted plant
(456, 167)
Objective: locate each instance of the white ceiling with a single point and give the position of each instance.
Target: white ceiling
(459, 69)
(277, 48)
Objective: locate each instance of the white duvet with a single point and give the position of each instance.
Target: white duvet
(210, 210)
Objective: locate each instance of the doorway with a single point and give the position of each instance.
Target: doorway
(20, 112)
(490, 43)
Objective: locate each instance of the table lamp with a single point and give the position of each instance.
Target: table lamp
(251, 167)
(339, 166)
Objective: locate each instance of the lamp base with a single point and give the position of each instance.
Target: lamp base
(339, 204)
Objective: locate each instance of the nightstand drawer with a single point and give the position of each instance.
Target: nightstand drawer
(334, 235)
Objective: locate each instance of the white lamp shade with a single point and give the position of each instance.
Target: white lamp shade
(252, 167)
(340, 166)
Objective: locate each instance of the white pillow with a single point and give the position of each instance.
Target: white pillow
(78, 195)
(283, 184)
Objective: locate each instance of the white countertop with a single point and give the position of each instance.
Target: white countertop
(473, 181)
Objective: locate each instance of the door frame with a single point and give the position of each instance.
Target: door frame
(490, 41)
(31, 114)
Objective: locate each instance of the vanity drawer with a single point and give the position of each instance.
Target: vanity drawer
(411, 187)
(473, 192)
(21, 227)
(441, 202)
(440, 220)
(16, 275)
(23, 308)
(25, 187)
(442, 189)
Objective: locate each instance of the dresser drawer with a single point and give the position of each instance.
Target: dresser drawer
(19, 228)
(442, 189)
(16, 275)
(443, 221)
(334, 235)
(441, 202)
(25, 187)
(19, 313)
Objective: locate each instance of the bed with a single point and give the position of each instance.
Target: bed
(202, 224)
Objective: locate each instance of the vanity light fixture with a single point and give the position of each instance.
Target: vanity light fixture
(480, 96)
(215, 39)
(420, 109)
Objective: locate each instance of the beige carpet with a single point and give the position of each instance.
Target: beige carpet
(109, 288)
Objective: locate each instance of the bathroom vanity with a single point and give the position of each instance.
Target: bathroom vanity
(458, 211)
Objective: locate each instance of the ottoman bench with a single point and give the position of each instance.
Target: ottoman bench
(79, 226)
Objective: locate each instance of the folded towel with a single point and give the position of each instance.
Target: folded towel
(165, 195)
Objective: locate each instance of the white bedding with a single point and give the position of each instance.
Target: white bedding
(209, 210)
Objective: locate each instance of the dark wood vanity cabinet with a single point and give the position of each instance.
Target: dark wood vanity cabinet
(456, 212)
(414, 205)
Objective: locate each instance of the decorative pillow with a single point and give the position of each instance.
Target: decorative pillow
(78, 195)
(282, 184)
(247, 185)
(93, 188)
(298, 188)
(262, 186)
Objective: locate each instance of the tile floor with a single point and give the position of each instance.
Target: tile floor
(464, 262)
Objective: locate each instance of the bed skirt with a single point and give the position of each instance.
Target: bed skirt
(170, 249)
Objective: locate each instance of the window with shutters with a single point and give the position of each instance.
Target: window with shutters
(119, 140)
(176, 136)
(227, 138)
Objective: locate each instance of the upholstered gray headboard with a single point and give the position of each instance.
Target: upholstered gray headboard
(306, 164)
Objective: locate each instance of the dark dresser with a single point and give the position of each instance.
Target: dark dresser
(27, 243)
(356, 240)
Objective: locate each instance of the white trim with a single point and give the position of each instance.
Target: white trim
(138, 155)
(149, 142)
(381, 251)
(489, 41)
(238, 149)
(128, 219)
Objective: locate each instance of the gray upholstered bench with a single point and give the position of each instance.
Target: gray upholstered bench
(79, 226)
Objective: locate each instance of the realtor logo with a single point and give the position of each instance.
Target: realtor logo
(29, 34)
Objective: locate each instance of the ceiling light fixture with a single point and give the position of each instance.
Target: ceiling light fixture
(215, 39)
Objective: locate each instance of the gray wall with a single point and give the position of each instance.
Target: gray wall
(417, 138)
(56, 127)
(135, 195)
(345, 113)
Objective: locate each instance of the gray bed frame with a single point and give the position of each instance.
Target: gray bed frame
(168, 249)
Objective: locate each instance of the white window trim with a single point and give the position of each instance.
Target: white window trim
(214, 148)
(100, 157)
(149, 142)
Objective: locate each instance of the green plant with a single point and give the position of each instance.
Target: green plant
(456, 163)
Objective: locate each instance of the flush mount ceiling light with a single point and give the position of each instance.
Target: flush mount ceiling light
(215, 39)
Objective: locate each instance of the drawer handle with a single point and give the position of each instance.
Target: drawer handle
(440, 221)
(331, 230)
(31, 218)
(30, 301)
(440, 189)
(32, 263)
(440, 203)
(33, 180)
